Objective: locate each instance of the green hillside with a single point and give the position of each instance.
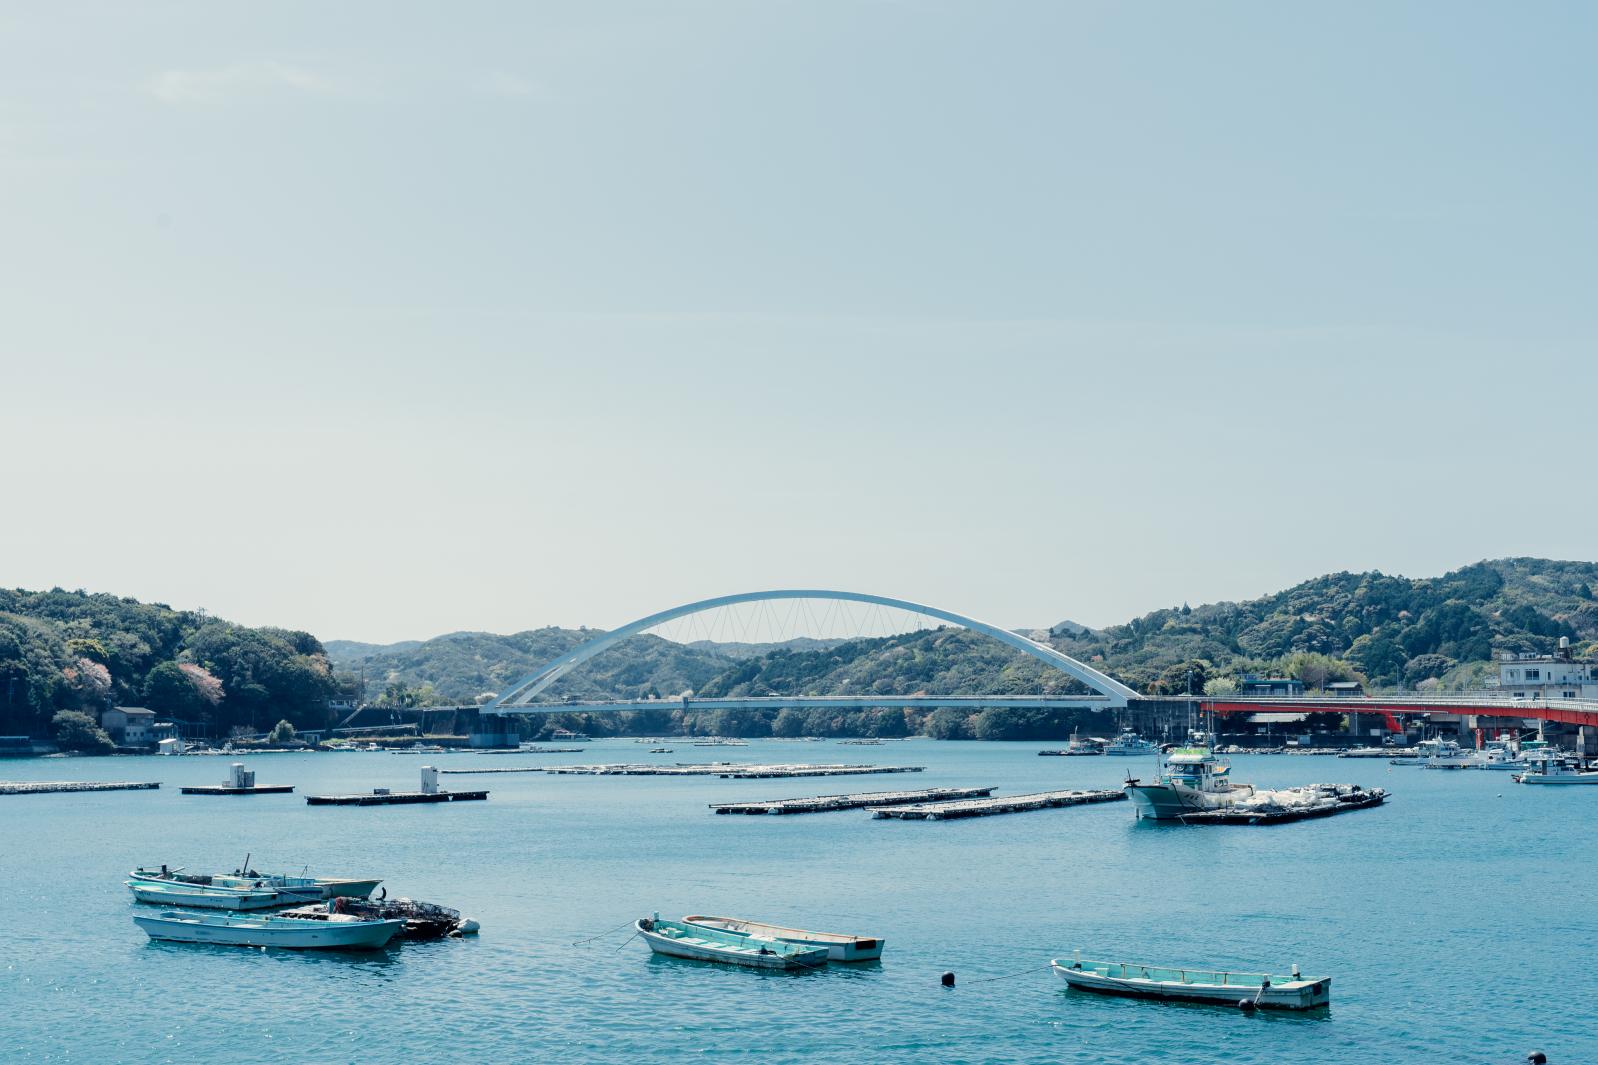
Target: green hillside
(77, 652)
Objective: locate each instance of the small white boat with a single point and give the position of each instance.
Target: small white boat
(1556, 773)
(1249, 990)
(186, 926)
(839, 947)
(1129, 743)
(178, 895)
(705, 944)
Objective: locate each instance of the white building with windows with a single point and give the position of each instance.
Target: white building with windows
(1549, 677)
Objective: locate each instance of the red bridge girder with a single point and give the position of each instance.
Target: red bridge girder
(1389, 709)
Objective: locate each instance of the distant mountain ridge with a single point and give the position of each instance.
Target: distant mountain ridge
(1389, 630)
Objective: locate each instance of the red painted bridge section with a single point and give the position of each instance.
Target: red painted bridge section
(1566, 711)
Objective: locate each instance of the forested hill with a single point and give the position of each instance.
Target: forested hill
(77, 652)
(462, 666)
(1386, 629)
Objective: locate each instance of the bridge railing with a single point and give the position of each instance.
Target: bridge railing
(1476, 697)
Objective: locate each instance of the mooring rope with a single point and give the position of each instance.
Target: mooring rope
(602, 935)
(1009, 976)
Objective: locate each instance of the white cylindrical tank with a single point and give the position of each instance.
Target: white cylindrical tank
(239, 777)
(429, 780)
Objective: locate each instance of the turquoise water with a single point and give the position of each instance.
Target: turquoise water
(1455, 922)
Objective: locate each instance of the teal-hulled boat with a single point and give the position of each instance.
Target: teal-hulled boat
(1250, 990)
(707, 944)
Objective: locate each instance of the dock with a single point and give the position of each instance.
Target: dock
(496, 769)
(43, 787)
(1281, 815)
(730, 770)
(430, 792)
(861, 800)
(771, 772)
(1011, 804)
(240, 781)
(395, 798)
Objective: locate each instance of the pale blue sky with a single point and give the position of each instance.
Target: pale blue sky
(385, 320)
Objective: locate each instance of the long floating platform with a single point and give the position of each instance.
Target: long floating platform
(825, 803)
(395, 798)
(732, 770)
(1281, 815)
(767, 773)
(223, 789)
(495, 769)
(43, 787)
(1012, 804)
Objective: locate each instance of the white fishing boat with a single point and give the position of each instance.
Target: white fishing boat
(186, 926)
(1193, 779)
(1553, 772)
(705, 944)
(293, 888)
(1128, 743)
(839, 947)
(1501, 755)
(1449, 755)
(182, 897)
(1248, 990)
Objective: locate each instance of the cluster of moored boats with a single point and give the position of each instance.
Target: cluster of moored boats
(246, 908)
(756, 945)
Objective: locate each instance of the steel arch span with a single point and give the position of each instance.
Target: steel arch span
(524, 690)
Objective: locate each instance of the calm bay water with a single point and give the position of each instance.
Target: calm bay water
(1455, 921)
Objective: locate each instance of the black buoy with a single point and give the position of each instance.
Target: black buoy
(948, 979)
(1537, 1057)
(1246, 1005)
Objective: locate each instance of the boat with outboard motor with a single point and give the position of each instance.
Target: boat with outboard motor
(184, 897)
(679, 940)
(839, 947)
(1246, 990)
(1128, 743)
(268, 930)
(245, 879)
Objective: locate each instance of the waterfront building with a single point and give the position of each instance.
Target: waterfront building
(129, 726)
(1249, 684)
(1549, 677)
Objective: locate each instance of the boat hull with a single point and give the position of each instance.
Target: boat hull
(731, 950)
(205, 900)
(1537, 778)
(839, 947)
(181, 927)
(292, 888)
(1289, 995)
(1162, 802)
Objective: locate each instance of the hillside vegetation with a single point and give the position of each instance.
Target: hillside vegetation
(74, 651)
(77, 652)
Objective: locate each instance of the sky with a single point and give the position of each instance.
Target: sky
(387, 320)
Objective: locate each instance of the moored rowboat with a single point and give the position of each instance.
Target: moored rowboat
(184, 926)
(839, 947)
(179, 895)
(706, 944)
(1196, 985)
(302, 888)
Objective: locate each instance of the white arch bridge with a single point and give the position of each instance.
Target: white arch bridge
(1108, 692)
